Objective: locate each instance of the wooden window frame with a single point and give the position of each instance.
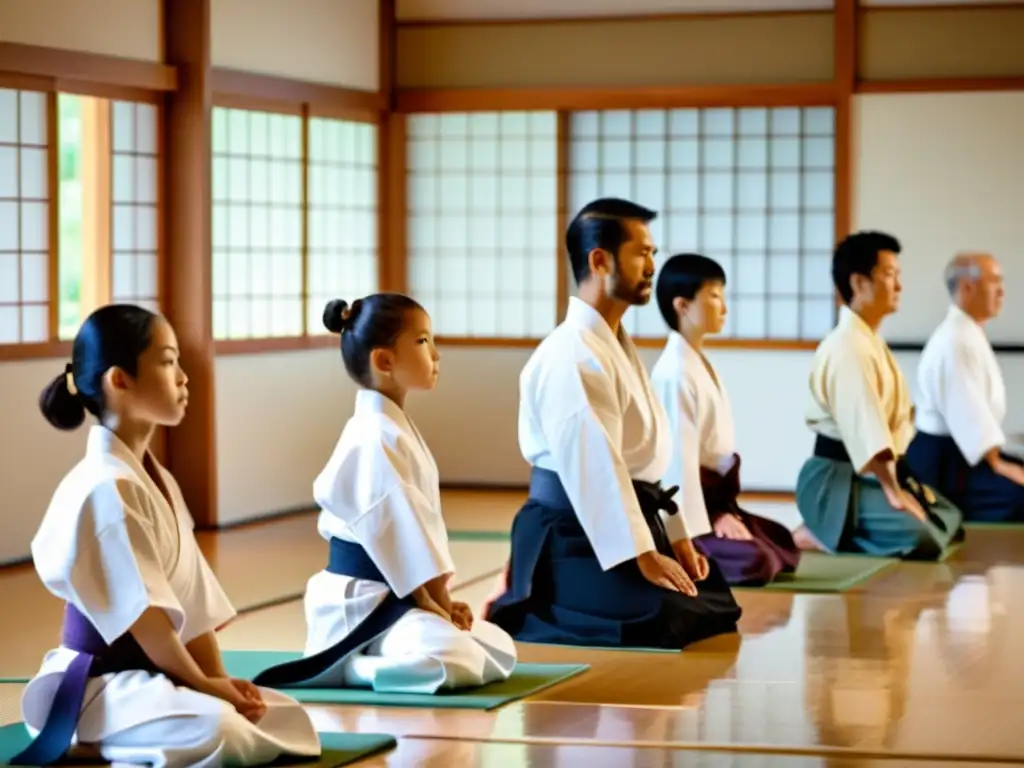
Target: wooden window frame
(436, 174)
(733, 211)
(233, 89)
(564, 101)
(53, 71)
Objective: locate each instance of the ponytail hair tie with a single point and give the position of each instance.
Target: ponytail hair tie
(69, 377)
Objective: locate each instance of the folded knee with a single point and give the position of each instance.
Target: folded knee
(189, 740)
(761, 561)
(465, 651)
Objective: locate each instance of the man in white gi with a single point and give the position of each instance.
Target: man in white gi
(960, 447)
(856, 493)
(593, 561)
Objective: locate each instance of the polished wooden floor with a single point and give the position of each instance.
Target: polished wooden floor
(919, 666)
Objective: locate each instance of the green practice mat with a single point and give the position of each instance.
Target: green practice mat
(338, 748)
(820, 572)
(526, 680)
(478, 535)
(979, 526)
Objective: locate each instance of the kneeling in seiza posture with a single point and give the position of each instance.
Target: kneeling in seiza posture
(750, 549)
(380, 613)
(960, 447)
(594, 562)
(856, 493)
(138, 676)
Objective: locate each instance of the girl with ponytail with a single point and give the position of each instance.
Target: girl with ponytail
(138, 675)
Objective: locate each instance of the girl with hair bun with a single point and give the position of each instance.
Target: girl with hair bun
(380, 614)
(138, 676)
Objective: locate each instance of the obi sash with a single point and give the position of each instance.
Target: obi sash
(346, 559)
(95, 658)
(834, 450)
(547, 489)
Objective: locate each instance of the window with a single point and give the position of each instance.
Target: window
(257, 224)
(107, 213)
(294, 220)
(483, 221)
(134, 278)
(24, 218)
(342, 209)
(751, 188)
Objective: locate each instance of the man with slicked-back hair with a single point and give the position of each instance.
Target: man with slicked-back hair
(600, 556)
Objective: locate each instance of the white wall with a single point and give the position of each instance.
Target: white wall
(33, 455)
(278, 417)
(943, 172)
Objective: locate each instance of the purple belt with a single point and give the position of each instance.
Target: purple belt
(94, 658)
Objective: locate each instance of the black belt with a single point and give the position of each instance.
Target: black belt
(547, 489)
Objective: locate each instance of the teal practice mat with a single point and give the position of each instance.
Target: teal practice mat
(338, 748)
(526, 680)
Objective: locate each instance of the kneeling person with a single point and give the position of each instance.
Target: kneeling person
(750, 549)
(960, 447)
(594, 560)
(856, 493)
(380, 615)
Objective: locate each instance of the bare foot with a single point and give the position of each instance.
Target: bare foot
(806, 540)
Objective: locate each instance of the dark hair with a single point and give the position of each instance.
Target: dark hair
(113, 336)
(857, 254)
(683, 276)
(601, 224)
(373, 322)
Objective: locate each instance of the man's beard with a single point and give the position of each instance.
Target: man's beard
(634, 295)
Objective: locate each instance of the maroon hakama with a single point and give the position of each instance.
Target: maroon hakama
(752, 562)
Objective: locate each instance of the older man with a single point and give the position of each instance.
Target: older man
(960, 447)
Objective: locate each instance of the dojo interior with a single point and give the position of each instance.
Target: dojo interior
(237, 163)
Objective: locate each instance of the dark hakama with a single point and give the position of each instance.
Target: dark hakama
(753, 562)
(558, 593)
(981, 494)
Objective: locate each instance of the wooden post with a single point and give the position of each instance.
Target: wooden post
(191, 446)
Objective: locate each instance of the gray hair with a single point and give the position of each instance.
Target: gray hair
(963, 266)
